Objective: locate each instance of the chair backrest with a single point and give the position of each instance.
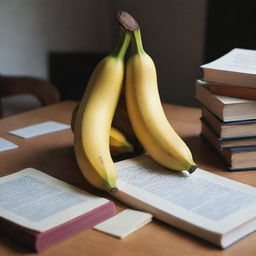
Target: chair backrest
(14, 85)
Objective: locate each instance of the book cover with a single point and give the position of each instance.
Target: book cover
(40, 211)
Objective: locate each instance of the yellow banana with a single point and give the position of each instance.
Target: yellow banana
(94, 117)
(146, 113)
(117, 141)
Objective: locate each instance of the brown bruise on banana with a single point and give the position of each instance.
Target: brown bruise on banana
(101, 160)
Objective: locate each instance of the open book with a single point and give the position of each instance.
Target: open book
(237, 67)
(209, 206)
(39, 210)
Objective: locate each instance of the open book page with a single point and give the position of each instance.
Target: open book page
(237, 60)
(39, 202)
(202, 199)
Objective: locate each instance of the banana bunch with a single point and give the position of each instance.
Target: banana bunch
(118, 143)
(93, 118)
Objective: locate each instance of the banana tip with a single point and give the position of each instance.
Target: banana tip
(113, 190)
(192, 169)
(130, 147)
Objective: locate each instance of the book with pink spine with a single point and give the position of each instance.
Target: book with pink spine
(40, 211)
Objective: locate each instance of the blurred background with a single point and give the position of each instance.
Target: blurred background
(61, 41)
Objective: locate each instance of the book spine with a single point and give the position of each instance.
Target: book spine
(233, 91)
(70, 228)
(18, 233)
(40, 241)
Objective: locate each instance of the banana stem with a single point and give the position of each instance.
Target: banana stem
(122, 46)
(137, 46)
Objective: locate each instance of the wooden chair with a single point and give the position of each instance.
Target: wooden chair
(14, 85)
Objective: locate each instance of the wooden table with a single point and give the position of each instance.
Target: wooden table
(53, 154)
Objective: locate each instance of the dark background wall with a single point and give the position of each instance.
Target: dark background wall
(33, 31)
(62, 40)
(229, 24)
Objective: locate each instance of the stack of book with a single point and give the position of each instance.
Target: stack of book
(227, 93)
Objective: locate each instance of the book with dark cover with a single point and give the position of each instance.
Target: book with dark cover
(229, 129)
(226, 142)
(237, 158)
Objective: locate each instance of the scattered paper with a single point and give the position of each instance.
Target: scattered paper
(39, 129)
(5, 145)
(124, 223)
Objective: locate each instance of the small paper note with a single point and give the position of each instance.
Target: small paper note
(5, 145)
(124, 223)
(39, 129)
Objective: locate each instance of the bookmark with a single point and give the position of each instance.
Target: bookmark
(124, 223)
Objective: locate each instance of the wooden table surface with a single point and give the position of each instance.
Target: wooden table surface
(53, 154)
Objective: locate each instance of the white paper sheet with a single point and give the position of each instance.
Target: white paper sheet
(39, 129)
(6, 145)
(124, 223)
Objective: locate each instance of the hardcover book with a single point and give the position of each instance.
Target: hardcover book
(226, 108)
(40, 211)
(238, 158)
(221, 143)
(229, 129)
(231, 90)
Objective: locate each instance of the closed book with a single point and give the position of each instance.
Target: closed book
(230, 142)
(232, 91)
(211, 207)
(229, 129)
(237, 158)
(226, 108)
(237, 67)
(240, 158)
(40, 211)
